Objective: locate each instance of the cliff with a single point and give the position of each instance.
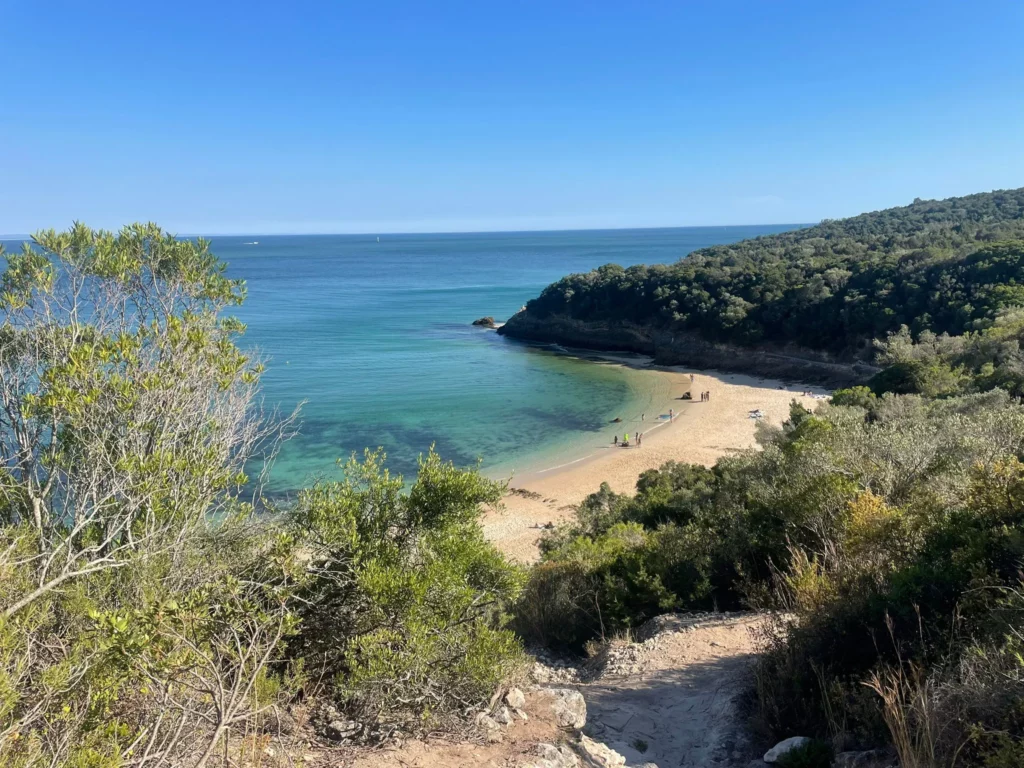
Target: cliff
(667, 348)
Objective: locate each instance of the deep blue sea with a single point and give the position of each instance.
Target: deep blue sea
(375, 337)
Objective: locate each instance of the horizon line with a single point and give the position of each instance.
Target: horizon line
(17, 236)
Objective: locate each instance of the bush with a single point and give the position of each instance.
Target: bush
(405, 606)
(885, 535)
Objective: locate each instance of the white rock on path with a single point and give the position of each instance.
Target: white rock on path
(600, 755)
(569, 707)
(784, 746)
(515, 698)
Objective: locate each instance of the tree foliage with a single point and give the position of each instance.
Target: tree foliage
(153, 611)
(945, 266)
(405, 600)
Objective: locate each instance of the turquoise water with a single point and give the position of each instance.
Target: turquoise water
(376, 338)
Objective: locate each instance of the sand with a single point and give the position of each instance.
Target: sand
(701, 433)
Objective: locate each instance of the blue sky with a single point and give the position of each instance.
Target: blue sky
(377, 116)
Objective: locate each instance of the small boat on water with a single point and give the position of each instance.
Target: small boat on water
(254, 242)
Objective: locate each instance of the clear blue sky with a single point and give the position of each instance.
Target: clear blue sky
(378, 116)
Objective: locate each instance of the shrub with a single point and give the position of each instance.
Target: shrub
(405, 606)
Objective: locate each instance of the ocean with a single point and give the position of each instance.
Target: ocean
(376, 339)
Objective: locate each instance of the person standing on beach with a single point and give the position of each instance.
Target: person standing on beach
(625, 439)
(639, 439)
(642, 416)
(671, 415)
(615, 440)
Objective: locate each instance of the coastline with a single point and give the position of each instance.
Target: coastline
(687, 348)
(702, 432)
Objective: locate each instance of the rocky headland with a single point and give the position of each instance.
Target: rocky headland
(690, 349)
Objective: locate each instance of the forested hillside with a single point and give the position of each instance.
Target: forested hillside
(944, 266)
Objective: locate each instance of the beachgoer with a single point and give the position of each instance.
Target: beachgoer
(671, 415)
(625, 439)
(691, 378)
(615, 440)
(639, 439)
(642, 416)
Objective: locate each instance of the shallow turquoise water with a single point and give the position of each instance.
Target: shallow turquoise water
(376, 338)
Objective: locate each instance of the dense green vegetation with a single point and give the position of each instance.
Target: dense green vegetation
(884, 530)
(944, 266)
(889, 537)
(149, 616)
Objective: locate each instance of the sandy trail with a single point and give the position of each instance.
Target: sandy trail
(681, 709)
(674, 703)
(701, 433)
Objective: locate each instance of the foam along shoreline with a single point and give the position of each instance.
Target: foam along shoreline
(701, 433)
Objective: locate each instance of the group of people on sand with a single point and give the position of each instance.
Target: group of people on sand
(638, 440)
(705, 397)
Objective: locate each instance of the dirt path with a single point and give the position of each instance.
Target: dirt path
(668, 700)
(679, 697)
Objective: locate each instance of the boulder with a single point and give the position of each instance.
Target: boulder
(569, 708)
(484, 322)
(515, 698)
(600, 755)
(502, 716)
(784, 746)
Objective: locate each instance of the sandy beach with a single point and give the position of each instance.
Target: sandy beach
(701, 432)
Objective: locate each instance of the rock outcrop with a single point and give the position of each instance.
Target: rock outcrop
(485, 322)
(686, 348)
(569, 707)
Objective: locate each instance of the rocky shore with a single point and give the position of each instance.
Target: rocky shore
(667, 348)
